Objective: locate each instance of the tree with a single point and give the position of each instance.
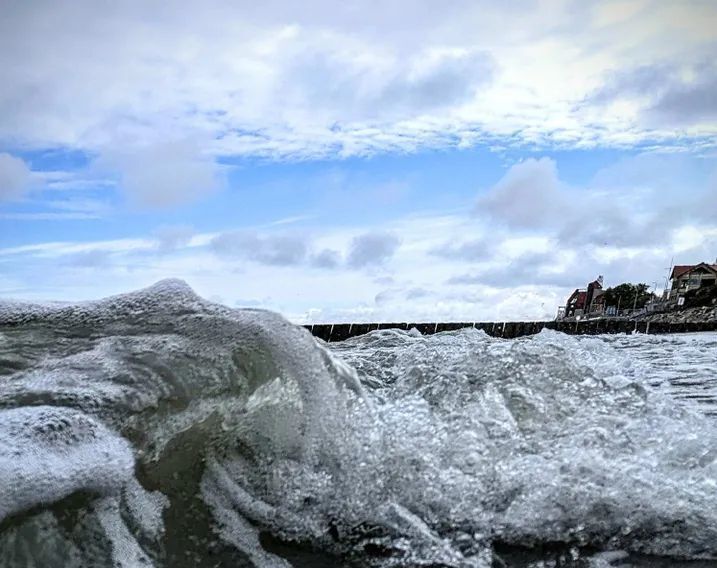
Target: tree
(625, 295)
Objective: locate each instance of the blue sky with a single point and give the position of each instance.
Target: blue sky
(361, 162)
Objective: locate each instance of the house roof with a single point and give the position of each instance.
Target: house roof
(681, 269)
(580, 297)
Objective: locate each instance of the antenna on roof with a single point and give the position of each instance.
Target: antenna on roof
(667, 278)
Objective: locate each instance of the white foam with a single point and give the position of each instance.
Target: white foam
(48, 453)
(460, 439)
(126, 552)
(547, 439)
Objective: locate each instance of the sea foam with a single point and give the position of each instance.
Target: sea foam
(158, 428)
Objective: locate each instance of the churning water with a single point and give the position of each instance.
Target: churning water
(158, 429)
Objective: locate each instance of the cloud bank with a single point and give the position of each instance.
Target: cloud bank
(15, 177)
(491, 261)
(334, 80)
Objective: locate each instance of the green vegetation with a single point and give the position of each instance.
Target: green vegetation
(625, 295)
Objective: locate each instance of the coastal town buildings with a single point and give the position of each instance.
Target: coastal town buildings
(686, 277)
(586, 301)
(691, 285)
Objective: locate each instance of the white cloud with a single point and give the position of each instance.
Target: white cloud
(631, 203)
(528, 196)
(372, 249)
(326, 258)
(48, 216)
(60, 248)
(272, 249)
(165, 173)
(470, 250)
(665, 95)
(282, 80)
(518, 281)
(89, 259)
(172, 237)
(458, 266)
(15, 177)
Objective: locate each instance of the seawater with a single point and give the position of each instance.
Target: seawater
(158, 429)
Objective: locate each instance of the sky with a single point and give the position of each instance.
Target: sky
(356, 161)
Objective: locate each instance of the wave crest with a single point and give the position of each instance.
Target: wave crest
(171, 415)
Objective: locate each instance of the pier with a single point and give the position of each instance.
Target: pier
(332, 332)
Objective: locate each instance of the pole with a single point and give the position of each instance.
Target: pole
(667, 277)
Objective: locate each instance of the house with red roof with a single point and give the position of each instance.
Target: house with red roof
(687, 277)
(585, 301)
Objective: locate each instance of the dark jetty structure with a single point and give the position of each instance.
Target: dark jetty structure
(332, 332)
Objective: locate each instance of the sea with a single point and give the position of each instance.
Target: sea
(156, 428)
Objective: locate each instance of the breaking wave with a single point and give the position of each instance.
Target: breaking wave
(158, 429)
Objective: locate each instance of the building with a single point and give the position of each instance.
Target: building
(575, 304)
(687, 277)
(585, 301)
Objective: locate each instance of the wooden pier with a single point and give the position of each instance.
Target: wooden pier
(332, 332)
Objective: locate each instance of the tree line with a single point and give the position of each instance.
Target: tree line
(627, 296)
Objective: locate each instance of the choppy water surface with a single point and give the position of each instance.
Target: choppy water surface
(158, 429)
(684, 363)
